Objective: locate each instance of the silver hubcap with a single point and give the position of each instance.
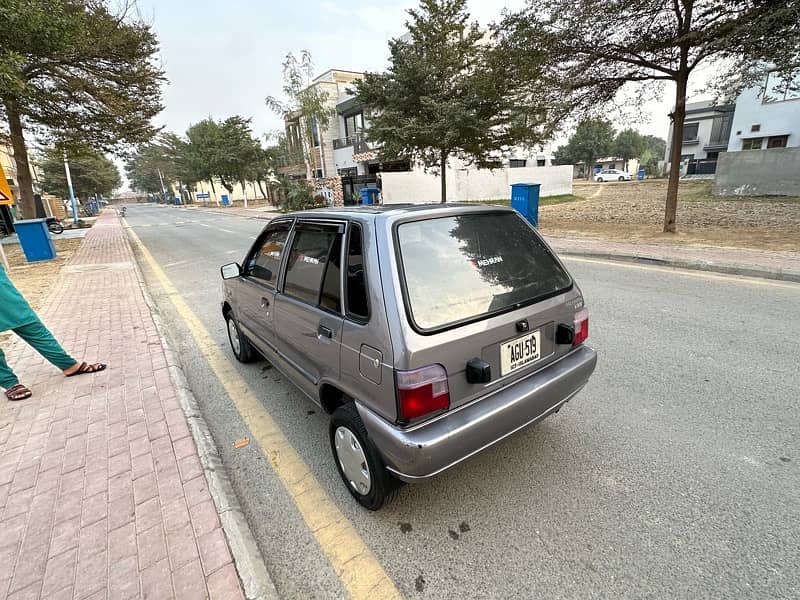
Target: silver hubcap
(352, 460)
(233, 333)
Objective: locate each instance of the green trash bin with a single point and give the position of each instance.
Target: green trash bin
(35, 240)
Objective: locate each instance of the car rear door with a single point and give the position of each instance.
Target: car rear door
(308, 310)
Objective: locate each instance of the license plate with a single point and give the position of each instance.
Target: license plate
(520, 352)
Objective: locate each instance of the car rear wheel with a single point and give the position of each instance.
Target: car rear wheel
(358, 461)
(599, 180)
(240, 345)
(622, 179)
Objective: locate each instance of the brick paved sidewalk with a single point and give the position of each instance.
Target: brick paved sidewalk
(102, 494)
(776, 265)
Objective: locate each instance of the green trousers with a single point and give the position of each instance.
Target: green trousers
(38, 336)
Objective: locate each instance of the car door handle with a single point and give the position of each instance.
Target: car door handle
(325, 332)
(264, 303)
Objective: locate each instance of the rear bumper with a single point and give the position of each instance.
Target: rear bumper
(429, 448)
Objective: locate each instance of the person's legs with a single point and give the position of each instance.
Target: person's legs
(7, 377)
(38, 336)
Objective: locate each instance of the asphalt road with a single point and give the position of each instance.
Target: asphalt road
(674, 474)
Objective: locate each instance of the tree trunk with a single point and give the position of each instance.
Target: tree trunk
(261, 189)
(21, 159)
(444, 175)
(671, 208)
(227, 186)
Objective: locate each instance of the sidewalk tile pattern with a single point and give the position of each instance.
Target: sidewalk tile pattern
(102, 494)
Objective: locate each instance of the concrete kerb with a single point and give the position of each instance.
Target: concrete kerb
(741, 270)
(256, 581)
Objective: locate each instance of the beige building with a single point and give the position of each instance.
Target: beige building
(335, 83)
(9, 168)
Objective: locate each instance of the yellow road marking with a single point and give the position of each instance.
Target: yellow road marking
(685, 273)
(352, 561)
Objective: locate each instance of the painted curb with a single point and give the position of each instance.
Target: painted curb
(256, 581)
(695, 265)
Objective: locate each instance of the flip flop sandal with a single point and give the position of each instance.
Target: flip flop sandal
(18, 392)
(86, 368)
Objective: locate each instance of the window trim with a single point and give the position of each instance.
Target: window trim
(401, 272)
(345, 304)
(696, 133)
(259, 243)
(784, 137)
(310, 225)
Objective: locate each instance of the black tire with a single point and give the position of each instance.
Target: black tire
(245, 352)
(56, 228)
(622, 179)
(383, 487)
(599, 180)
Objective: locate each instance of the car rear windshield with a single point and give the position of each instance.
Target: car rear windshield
(465, 267)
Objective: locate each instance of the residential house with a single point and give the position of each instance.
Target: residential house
(706, 130)
(763, 117)
(766, 117)
(343, 149)
(763, 157)
(334, 83)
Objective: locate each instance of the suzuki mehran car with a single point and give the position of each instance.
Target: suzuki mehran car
(427, 332)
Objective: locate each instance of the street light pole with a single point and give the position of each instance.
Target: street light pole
(71, 191)
(163, 190)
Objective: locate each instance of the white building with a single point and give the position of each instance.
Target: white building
(767, 117)
(763, 117)
(706, 130)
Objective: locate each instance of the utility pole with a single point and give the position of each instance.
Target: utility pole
(163, 190)
(71, 191)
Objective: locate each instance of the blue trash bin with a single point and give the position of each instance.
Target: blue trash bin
(35, 239)
(525, 200)
(641, 174)
(225, 201)
(369, 195)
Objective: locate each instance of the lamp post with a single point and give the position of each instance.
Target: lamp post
(71, 191)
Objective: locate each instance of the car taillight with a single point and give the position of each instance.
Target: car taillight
(581, 325)
(421, 391)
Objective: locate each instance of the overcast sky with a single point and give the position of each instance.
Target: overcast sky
(224, 57)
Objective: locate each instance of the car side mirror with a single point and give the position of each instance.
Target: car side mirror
(230, 271)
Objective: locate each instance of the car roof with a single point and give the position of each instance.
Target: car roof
(394, 210)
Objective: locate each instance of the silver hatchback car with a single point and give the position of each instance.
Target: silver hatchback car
(428, 333)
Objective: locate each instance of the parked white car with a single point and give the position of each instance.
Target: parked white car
(612, 175)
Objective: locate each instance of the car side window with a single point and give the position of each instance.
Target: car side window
(265, 262)
(356, 281)
(312, 274)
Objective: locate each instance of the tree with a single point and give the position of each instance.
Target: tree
(224, 149)
(594, 53)
(654, 149)
(74, 72)
(628, 144)
(154, 166)
(593, 139)
(303, 101)
(450, 93)
(92, 173)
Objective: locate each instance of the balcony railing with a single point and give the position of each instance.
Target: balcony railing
(358, 142)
